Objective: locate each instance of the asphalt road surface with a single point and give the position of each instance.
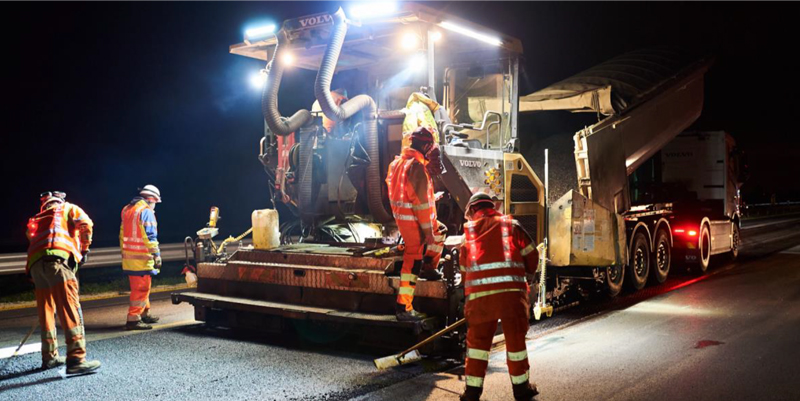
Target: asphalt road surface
(734, 334)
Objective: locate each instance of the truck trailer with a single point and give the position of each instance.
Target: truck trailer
(335, 260)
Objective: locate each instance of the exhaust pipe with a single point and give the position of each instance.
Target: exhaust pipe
(278, 124)
(322, 91)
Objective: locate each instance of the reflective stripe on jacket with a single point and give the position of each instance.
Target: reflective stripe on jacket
(63, 227)
(138, 238)
(492, 255)
(411, 190)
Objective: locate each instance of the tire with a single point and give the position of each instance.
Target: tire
(736, 241)
(638, 262)
(615, 276)
(704, 243)
(662, 258)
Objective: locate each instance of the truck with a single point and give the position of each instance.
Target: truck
(334, 259)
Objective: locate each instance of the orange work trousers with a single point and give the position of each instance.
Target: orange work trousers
(140, 297)
(57, 293)
(479, 342)
(413, 254)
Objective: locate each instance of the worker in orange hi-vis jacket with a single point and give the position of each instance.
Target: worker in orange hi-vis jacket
(141, 257)
(414, 210)
(59, 238)
(495, 258)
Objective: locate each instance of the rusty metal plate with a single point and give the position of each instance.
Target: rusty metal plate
(368, 281)
(296, 258)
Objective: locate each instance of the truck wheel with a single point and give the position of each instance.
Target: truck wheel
(614, 278)
(639, 263)
(705, 250)
(736, 241)
(662, 257)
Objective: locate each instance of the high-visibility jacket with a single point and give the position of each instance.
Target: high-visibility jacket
(495, 257)
(64, 230)
(138, 238)
(411, 190)
(419, 113)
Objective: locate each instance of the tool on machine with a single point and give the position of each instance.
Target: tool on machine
(21, 343)
(385, 251)
(541, 301)
(412, 355)
(203, 248)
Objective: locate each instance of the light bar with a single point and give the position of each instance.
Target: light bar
(260, 32)
(372, 9)
(492, 40)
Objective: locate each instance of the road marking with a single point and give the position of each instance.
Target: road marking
(26, 349)
(37, 347)
(96, 297)
(793, 250)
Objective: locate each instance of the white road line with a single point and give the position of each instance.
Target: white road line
(37, 347)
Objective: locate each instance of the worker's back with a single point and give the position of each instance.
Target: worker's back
(494, 267)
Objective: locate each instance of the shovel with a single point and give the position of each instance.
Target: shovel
(412, 355)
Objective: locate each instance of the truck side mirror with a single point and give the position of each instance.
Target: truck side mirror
(739, 160)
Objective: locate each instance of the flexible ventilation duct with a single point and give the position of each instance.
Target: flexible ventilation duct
(322, 91)
(269, 97)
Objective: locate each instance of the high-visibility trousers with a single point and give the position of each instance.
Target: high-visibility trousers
(413, 254)
(479, 342)
(140, 297)
(56, 291)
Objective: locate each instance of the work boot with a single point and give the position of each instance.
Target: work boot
(137, 325)
(431, 275)
(82, 367)
(150, 319)
(53, 363)
(408, 316)
(471, 393)
(524, 391)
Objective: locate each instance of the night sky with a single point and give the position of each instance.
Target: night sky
(102, 98)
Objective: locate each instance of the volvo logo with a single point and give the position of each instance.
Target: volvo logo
(312, 21)
(470, 163)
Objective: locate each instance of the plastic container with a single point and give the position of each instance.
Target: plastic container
(266, 234)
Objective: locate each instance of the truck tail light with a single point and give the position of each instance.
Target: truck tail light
(691, 233)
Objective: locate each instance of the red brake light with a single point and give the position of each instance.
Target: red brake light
(32, 226)
(679, 231)
(692, 233)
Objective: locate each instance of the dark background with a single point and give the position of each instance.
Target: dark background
(101, 98)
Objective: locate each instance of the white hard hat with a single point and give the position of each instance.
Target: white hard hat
(150, 191)
(51, 196)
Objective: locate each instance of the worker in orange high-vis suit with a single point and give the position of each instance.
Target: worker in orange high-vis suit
(414, 210)
(495, 258)
(59, 237)
(141, 258)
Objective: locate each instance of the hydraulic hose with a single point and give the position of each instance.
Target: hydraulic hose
(269, 97)
(322, 91)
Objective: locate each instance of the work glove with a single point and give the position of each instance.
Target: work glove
(157, 261)
(84, 257)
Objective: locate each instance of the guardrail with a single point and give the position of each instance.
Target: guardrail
(770, 209)
(14, 263)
